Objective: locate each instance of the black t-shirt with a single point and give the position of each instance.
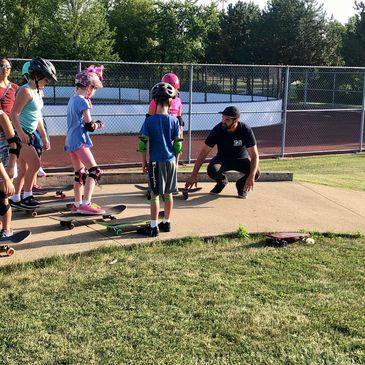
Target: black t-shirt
(231, 145)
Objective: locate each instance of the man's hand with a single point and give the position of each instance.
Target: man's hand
(250, 181)
(192, 180)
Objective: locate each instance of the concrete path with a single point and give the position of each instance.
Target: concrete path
(272, 206)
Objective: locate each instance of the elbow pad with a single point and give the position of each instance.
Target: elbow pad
(18, 145)
(142, 144)
(181, 122)
(178, 143)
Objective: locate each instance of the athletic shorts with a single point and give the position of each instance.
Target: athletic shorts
(162, 177)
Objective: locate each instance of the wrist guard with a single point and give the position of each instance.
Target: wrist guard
(178, 145)
(93, 126)
(142, 144)
(18, 145)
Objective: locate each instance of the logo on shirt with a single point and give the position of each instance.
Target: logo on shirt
(237, 143)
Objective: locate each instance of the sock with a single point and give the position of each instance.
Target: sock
(166, 220)
(85, 202)
(77, 204)
(153, 223)
(27, 193)
(16, 198)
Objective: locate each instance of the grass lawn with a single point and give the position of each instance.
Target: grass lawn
(221, 301)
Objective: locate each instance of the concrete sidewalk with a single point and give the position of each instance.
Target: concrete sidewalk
(272, 206)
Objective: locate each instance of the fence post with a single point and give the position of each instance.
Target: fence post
(362, 115)
(190, 110)
(285, 108)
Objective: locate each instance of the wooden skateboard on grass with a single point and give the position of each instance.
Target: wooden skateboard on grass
(282, 239)
(17, 237)
(185, 192)
(68, 220)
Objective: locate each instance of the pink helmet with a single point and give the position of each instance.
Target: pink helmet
(171, 79)
(91, 76)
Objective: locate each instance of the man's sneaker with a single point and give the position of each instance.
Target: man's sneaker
(90, 209)
(73, 208)
(164, 227)
(41, 173)
(4, 234)
(13, 203)
(219, 186)
(240, 192)
(29, 202)
(148, 231)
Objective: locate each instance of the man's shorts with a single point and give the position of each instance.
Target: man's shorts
(162, 177)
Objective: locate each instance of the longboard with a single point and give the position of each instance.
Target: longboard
(185, 192)
(51, 204)
(58, 190)
(282, 239)
(68, 220)
(17, 237)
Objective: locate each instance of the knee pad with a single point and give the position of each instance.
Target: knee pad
(3, 207)
(80, 176)
(95, 173)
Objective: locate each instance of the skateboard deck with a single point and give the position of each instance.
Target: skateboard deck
(282, 239)
(68, 220)
(17, 237)
(185, 192)
(51, 204)
(58, 190)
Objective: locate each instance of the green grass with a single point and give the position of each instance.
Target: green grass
(343, 171)
(218, 301)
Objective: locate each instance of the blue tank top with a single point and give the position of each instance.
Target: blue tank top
(32, 111)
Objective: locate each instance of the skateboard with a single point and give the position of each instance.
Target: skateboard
(58, 190)
(17, 237)
(51, 204)
(185, 192)
(282, 239)
(68, 220)
(120, 226)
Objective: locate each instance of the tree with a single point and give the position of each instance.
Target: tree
(353, 48)
(135, 29)
(296, 32)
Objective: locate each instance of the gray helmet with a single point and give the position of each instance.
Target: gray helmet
(41, 66)
(163, 90)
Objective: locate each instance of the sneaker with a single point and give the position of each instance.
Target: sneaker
(148, 231)
(29, 202)
(41, 172)
(219, 186)
(73, 208)
(164, 227)
(4, 234)
(90, 209)
(240, 192)
(13, 203)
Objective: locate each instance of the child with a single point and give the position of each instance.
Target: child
(26, 116)
(176, 105)
(9, 152)
(162, 132)
(78, 142)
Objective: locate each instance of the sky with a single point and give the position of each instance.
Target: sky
(340, 9)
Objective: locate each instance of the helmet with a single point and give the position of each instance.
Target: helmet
(41, 66)
(90, 76)
(171, 79)
(163, 90)
(25, 68)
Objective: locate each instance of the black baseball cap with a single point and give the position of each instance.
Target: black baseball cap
(231, 111)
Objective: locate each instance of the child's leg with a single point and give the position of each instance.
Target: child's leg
(32, 163)
(5, 211)
(79, 169)
(19, 181)
(169, 203)
(154, 209)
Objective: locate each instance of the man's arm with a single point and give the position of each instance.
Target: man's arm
(254, 166)
(193, 179)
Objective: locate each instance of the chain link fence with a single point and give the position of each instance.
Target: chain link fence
(292, 110)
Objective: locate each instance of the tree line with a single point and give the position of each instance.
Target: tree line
(293, 32)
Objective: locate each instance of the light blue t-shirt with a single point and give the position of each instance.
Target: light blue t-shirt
(76, 132)
(161, 131)
(32, 111)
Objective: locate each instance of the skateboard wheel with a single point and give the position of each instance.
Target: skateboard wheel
(118, 232)
(10, 251)
(60, 194)
(34, 213)
(185, 195)
(70, 226)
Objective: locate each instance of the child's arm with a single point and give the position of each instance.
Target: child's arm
(8, 185)
(90, 125)
(43, 134)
